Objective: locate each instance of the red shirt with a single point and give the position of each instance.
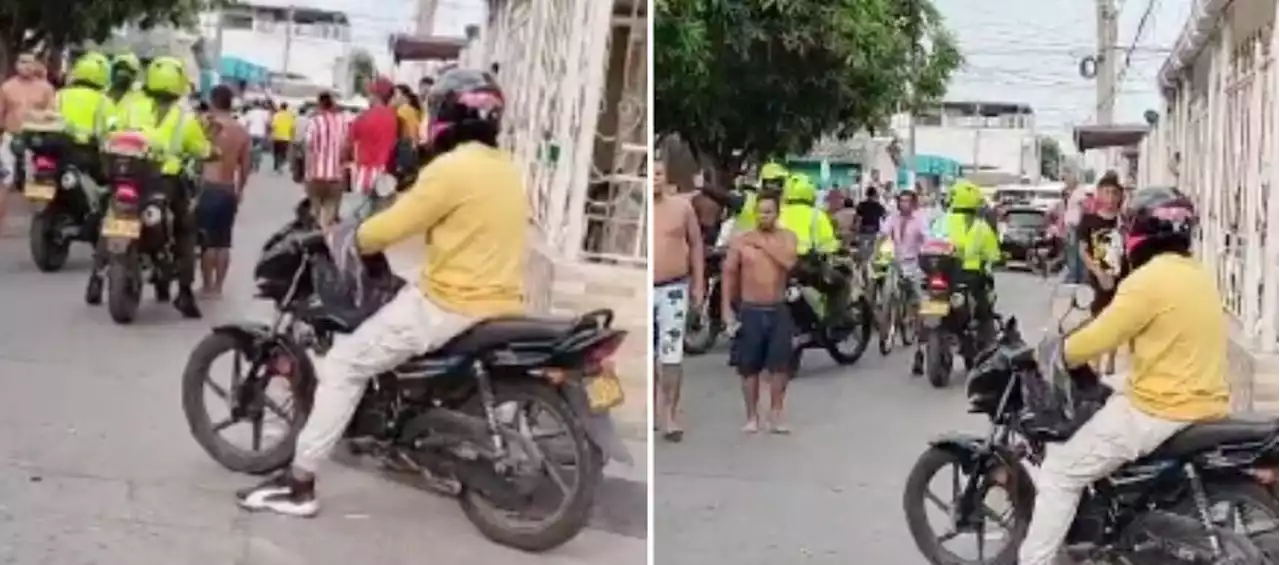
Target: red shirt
(373, 136)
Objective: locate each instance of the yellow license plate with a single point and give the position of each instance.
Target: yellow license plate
(934, 308)
(121, 227)
(38, 191)
(604, 391)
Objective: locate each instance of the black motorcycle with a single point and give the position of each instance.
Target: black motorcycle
(1047, 255)
(948, 323)
(137, 229)
(845, 338)
(705, 325)
(58, 186)
(472, 418)
(1178, 505)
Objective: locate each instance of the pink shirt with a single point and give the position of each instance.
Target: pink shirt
(908, 233)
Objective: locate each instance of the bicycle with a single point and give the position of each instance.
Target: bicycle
(892, 292)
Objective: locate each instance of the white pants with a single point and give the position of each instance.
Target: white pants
(1117, 434)
(409, 325)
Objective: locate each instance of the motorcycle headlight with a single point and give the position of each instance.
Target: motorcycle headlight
(152, 216)
(793, 293)
(957, 300)
(69, 180)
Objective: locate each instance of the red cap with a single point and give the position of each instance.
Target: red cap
(381, 87)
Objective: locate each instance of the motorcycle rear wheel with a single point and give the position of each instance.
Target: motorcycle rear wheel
(49, 254)
(861, 310)
(937, 359)
(124, 289)
(573, 514)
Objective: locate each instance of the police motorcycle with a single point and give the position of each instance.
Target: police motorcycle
(57, 179)
(844, 338)
(138, 227)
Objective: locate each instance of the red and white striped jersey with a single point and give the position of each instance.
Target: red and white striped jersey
(326, 136)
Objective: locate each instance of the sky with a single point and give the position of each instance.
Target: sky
(1029, 51)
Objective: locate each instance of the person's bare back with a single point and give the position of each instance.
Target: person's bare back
(231, 167)
(673, 218)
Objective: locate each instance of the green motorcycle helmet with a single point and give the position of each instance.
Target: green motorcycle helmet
(92, 69)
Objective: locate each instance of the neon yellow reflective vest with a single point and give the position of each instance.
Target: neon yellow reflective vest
(976, 243)
(812, 228)
(84, 112)
(176, 137)
(746, 219)
(122, 105)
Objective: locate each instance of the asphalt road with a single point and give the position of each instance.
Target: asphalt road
(97, 465)
(832, 491)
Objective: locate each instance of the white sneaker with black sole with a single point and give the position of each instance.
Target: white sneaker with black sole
(282, 494)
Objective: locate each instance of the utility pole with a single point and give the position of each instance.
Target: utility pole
(1108, 38)
(288, 37)
(910, 160)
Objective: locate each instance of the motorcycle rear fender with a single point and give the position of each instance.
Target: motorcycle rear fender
(600, 427)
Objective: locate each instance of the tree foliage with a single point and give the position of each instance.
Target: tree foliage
(1050, 158)
(363, 70)
(749, 79)
(46, 26)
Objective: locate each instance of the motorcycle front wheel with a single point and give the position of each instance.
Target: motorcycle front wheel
(848, 350)
(700, 334)
(919, 498)
(514, 527)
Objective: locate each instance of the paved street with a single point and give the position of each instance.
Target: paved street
(97, 465)
(832, 491)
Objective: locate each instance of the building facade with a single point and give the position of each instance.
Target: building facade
(1216, 140)
(318, 49)
(981, 136)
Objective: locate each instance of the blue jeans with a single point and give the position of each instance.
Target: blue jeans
(1075, 265)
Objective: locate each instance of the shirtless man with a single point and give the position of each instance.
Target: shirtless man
(223, 182)
(678, 284)
(19, 95)
(755, 282)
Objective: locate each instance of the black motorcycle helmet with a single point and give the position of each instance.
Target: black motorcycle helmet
(1158, 220)
(464, 105)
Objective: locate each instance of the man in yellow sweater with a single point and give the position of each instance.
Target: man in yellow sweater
(1170, 308)
(469, 206)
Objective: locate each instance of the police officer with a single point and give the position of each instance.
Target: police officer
(124, 87)
(176, 137)
(978, 249)
(816, 244)
(85, 112)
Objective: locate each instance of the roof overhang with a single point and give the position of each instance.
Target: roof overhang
(1120, 135)
(426, 47)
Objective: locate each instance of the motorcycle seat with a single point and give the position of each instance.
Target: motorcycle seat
(494, 332)
(1206, 435)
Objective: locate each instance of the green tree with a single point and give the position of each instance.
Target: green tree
(744, 80)
(48, 26)
(1050, 157)
(363, 70)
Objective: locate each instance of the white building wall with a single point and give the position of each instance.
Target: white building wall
(1217, 142)
(1005, 149)
(320, 60)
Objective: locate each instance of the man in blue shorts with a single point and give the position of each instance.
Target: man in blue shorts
(755, 273)
(223, 181)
